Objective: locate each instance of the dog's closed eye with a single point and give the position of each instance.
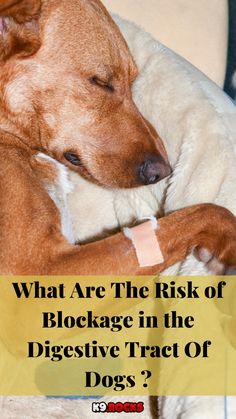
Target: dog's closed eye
(105, 85)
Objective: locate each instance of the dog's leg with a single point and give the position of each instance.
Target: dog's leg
(205, 225)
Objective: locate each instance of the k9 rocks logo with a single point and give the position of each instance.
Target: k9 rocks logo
(118, 407)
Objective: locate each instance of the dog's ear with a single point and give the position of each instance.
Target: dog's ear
(19, 28)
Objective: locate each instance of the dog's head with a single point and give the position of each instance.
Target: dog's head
(65, 84)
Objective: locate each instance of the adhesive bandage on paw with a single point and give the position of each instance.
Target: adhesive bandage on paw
(145, 242)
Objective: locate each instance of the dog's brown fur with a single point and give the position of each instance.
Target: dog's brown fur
(65, 86)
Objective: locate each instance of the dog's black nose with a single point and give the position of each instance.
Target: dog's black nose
(154, 169)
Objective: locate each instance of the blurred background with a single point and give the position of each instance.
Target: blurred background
(202, 31)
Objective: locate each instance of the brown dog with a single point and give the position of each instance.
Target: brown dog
(65, 89)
